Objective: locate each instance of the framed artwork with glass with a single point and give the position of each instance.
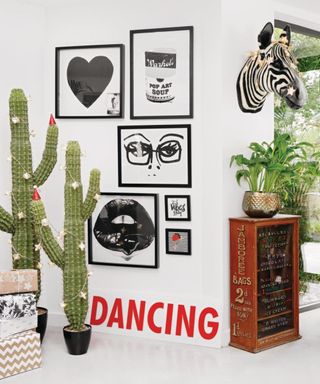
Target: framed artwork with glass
(154, 156)
(89, 81)
(161, 73)
(123, 230)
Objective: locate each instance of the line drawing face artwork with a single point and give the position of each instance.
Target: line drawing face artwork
(140, 151)
(123, 230)
(157, 155)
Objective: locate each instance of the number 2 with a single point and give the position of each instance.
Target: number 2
(240, 297)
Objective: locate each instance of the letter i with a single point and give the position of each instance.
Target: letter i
(169, 319)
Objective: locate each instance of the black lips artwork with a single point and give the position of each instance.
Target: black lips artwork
(88, 80)
(124, 225)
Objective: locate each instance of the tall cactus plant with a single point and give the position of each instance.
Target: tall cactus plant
(71, 259)
(25, 252)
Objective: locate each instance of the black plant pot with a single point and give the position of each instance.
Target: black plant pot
(42, 321)
(77, 341)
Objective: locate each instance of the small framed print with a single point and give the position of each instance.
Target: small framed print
(154, 156)
(178, 241)
(177, 207)
(161, 73)
(89, 81)
(123, 230)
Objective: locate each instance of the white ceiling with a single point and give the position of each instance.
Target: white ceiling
(306, 5)
(52, 3)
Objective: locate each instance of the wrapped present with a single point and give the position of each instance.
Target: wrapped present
(20, 324)
(19, 353)
(19, 280)
(19, 305)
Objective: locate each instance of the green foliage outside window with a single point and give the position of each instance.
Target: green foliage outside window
(302, 196)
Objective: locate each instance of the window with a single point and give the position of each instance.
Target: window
(304, 125)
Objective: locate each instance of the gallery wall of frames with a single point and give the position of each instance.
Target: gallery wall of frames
(89, 84)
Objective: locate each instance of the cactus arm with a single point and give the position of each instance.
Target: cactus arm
(92, 195)
(6, 221)
(49, 157)
(44, 233)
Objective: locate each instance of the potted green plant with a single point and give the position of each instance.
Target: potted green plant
(267, 171)
(72, 257)
(25, 252)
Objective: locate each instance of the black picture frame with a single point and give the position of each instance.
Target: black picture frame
(92, 242)
(140, 176)
(66, 92)
(183, 216)
(170, 251)
(136, 94)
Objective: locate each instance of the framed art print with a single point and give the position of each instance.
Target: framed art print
(161, 73)
(154, 156)
(123, 230)
(177, 207)
(89, 81)
(178, 241)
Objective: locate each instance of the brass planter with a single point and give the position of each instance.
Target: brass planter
(260, 204)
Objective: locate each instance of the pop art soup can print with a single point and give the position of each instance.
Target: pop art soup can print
(160, 75)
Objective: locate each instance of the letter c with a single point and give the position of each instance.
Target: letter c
(154, 307)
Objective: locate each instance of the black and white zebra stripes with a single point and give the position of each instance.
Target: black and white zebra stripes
(271, 69)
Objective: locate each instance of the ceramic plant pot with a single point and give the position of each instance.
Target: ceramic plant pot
(42, 321)
(260, 204)
(77, 341)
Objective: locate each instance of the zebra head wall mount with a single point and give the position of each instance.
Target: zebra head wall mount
(272, 68)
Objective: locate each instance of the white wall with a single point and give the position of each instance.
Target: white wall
(224, 31)
(177, 276)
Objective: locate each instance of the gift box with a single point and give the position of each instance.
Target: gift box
(19, 305)
(19, 353)
(20, 324)
(19, 280)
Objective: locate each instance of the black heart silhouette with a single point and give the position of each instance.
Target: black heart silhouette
(88, 80)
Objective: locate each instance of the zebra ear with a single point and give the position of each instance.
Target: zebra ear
(265, 36)
(286, 33)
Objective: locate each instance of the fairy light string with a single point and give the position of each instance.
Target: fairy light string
(45, 222)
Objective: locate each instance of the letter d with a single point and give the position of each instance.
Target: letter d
(95, 301)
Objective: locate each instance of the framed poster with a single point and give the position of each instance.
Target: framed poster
(123, 230)
(178, 241)
(177, 207)
(161, 73)
(89, 81)
(154, 156)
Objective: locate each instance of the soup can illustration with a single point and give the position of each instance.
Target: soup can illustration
(160, 65)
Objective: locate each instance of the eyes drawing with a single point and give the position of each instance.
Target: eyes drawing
(139, 150)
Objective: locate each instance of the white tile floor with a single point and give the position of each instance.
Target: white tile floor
(123, 360)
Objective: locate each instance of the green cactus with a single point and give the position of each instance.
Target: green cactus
(25, 254)
(71, 259)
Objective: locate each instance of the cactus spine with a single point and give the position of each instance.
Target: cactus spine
(25, 254)
(71, 259)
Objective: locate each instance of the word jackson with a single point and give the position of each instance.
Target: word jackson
(157, 317)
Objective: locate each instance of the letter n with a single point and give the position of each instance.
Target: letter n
(182, 317)
(133, 313)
